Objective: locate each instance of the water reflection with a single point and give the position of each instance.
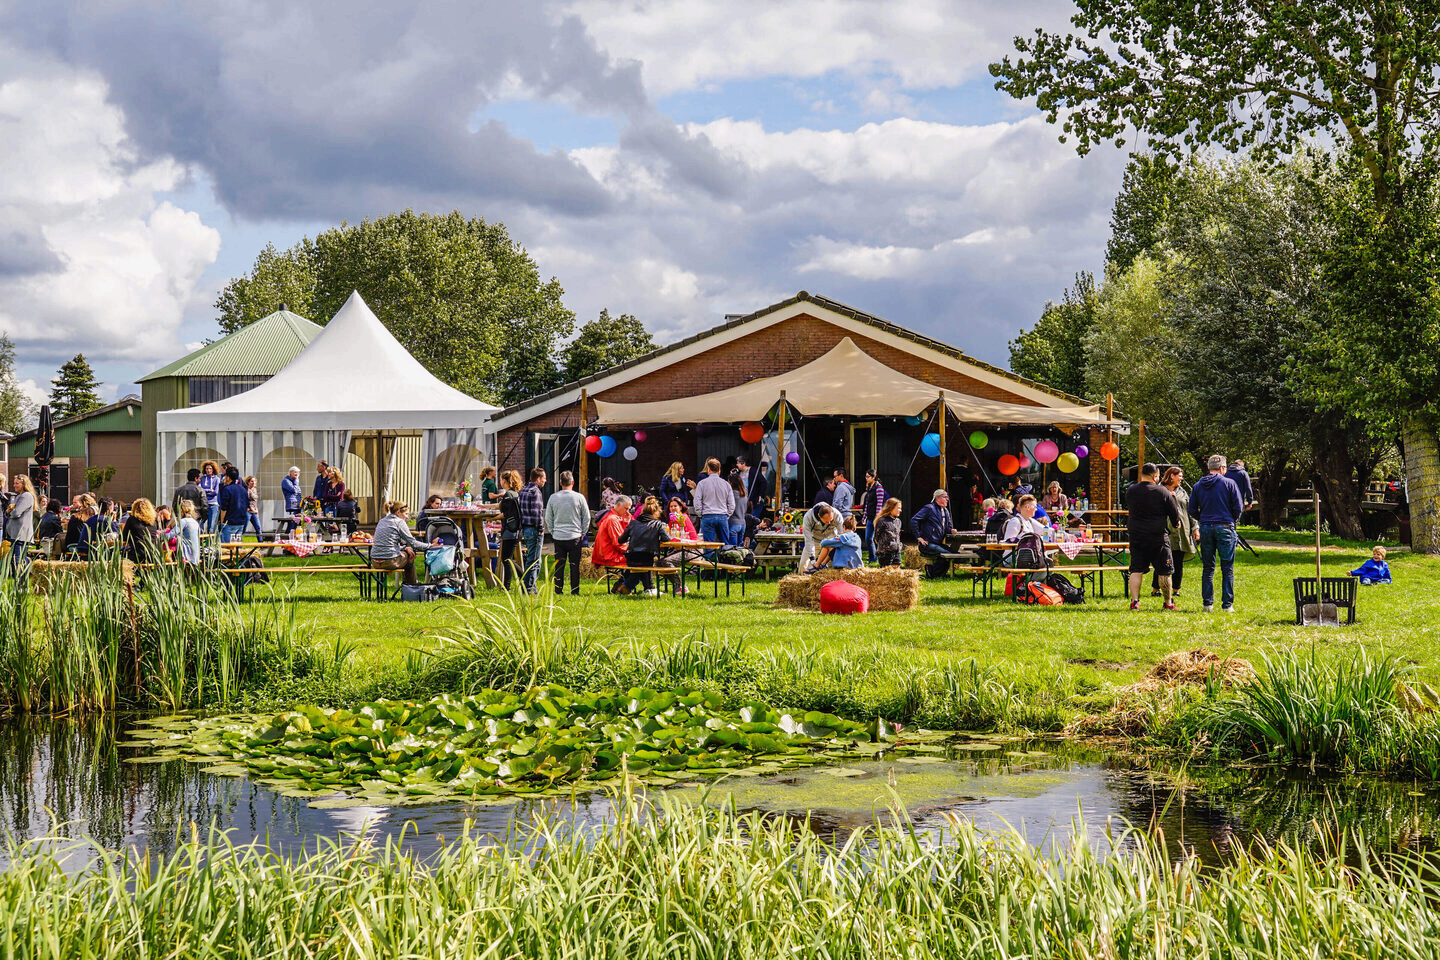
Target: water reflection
(74, 774)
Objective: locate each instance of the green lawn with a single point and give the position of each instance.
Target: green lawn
(1093, 647)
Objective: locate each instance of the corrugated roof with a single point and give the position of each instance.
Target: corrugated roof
(258, 349)
(129, 400)
(803, 296)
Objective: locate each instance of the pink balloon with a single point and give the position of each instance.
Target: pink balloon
(1046, 451)
(640, 436)
(1024, 462)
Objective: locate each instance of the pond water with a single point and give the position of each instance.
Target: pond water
(73, 778)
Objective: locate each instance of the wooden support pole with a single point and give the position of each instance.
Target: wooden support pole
(940, 415)
(1141, 455)
(778, 471)
(1111, 500)
(584, 485)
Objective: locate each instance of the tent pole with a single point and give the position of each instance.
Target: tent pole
(778, 470)
(1141, 455)
(944, 485)
(584, 485)
(1110, 491)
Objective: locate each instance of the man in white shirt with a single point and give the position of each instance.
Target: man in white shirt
(567, 517)
(715, 502)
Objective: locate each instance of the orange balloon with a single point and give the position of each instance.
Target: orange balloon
(1008, 465)
(752, 432)
(1110, 450)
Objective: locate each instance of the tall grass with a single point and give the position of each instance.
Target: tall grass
(178, 640)
(710, 884)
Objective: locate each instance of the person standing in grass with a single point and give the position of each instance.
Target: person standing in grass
(234, 507)
(252, 513)
(843, 499)
(1152, 513)
(20, 519)
(489, 486)
(871, 503)
(567, 517)
(290, 489)
(210, 486)
(735, 535)
(887, 534)
(510, 524)
(674, 486)
(1182, 535)
(1215, 501)
(715, 502)
(532, 525)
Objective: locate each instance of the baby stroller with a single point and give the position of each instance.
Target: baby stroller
(446, 570)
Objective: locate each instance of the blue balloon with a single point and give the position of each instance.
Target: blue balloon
(915, 421)
(930, 446)
(607, 446)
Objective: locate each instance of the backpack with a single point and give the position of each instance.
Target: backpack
(252, 562)
(510, 514)
(738, 556)
(1029, 554)
(1037, 592)
(1067, 590)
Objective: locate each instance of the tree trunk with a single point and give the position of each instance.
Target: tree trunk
(1335, 472)
(1422, 482)
(1274, 483)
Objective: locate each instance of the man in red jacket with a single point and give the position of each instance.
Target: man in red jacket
(608, 550)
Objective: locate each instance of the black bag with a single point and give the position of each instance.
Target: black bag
(252, 562)
(1067, 590)
(738, 556)
(510, 514)
(1029, 554)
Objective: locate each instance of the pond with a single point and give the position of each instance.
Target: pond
(74, 778)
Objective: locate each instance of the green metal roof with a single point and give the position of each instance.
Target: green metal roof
(258, 349)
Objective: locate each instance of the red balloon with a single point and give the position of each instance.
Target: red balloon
(1110, 450)
(1008, 465)
(1024, 462)
(592, 443)
(752, 432)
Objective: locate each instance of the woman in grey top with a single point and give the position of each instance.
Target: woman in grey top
(394, 546)
(20, 518)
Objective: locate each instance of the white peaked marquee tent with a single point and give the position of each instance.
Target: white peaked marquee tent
(353, 391)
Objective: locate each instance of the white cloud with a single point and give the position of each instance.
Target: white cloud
(36, 393)
(115, 267)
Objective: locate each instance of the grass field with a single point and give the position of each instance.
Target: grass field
(1079, 652)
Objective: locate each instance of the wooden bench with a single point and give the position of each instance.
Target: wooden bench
(372, 579)
(665, 575)
(769, 561)
(1093, 574)
(731, 572)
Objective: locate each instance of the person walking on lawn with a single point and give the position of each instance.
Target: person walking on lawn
(567, 517)
(932, 525)
(715, 502)
(1215, 501)
(532, 525)
(1152, 513)
(872, 501)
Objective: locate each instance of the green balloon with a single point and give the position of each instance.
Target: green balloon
(978, 440)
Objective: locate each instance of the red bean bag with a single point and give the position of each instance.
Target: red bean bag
(838, 596)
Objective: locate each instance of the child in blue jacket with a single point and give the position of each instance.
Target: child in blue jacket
(1375, 570)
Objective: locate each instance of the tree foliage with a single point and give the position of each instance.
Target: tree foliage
(1053, 351)
(1138, 216)
(459, 294)
(605, 342)
(74, 389)
(17, 411)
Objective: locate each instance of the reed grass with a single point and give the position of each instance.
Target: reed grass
(683, 882)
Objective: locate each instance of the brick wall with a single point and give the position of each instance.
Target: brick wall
(1102, 473)
(764, 353)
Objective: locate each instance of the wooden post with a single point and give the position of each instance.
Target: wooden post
(1110, 493)
(584, 484)
(1316, 494)
(777, 475)
(1141, 456)
(940, 415)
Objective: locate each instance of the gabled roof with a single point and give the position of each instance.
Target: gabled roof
(129, 400)
(615, 375)
(259, 349)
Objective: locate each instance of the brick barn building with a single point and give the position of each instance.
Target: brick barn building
(773, 343)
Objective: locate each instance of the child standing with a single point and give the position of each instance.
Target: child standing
(1375, 570)
(887, 534)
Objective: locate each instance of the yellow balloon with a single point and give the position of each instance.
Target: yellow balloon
(1068, 463)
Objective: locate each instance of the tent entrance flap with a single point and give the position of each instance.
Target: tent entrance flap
(846, 381)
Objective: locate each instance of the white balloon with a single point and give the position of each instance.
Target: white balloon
(630, 453)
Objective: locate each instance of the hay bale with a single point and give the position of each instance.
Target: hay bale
(587, 570)
(911, 558)
(1192, 668)
(890, 588)
(44, 573)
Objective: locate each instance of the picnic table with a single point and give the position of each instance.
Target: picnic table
(471, 522)
(1104, 551)
(776, 548)
(687, 547)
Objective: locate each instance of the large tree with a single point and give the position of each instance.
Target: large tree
(605, 342)
(17, 411)
(1267, 77)
(1053, 351)
(460, 294)
(74, 389)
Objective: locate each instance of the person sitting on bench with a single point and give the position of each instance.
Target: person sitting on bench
(642, 539)
(608, 550)
(1024, 521)
(394, 547)
(841, 551)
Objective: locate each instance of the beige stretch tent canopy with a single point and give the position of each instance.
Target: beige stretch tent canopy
(844, 382)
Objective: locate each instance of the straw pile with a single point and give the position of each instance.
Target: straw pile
(911, 559)
(1133, 711)
(890, 588)
(44, 572)
(587, 570)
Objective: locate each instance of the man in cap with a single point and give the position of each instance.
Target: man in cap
(932, 525)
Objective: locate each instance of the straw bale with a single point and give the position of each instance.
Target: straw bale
(45, 572)
(911, 558)
(890, 588)
(587, 570)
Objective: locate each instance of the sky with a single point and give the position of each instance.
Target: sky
(674, 159)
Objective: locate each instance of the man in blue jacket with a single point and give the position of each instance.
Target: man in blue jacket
(1215, 502)
(932, 525)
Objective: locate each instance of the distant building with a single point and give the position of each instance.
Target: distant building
(107, 436)
(229, 366)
